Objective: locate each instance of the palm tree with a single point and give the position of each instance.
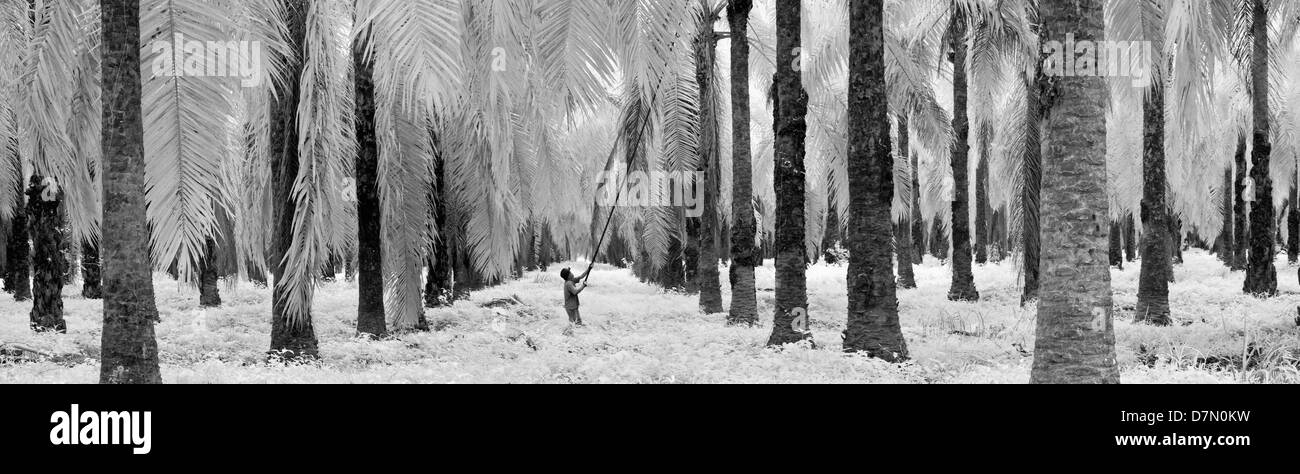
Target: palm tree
(18, 252)
(209, 294)
(963, 281)
(1261, 276)
(789, 127)
(744, 254)
(43, 200)
(370, 272)
(128, 351)
(1240, 222)
(1075, 339)
(873, 325)
(90, 275)
(709, 221)
(1153, 283)
(982, 207)
(292, 333)
(903, 241)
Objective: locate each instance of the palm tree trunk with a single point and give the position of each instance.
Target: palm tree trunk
(903, 241)
(707, 270)
(47, 257)
(1032, 172)
(1153, 281)
(1130, 238)
(90, 271)
(370, 275)
(438, 286)
(292, 334)
(128, 349)
(1240, 229)
(790, 127)
(1116, 246)
(832, 234)
(963, 281)
(873, 325)
(1075, 338)
(1261, 276)
(1293, 227)
(1225, 246)
(18, 265)
(938, 241)
(744, 255)
(209, 294)
(918, 223)
(982, 206)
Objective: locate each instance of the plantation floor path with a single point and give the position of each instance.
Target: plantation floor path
(637, 333)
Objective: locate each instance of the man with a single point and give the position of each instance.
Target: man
(572, 286)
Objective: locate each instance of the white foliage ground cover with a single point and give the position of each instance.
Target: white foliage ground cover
(637, 333)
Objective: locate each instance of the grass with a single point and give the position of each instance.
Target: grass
(637, 333)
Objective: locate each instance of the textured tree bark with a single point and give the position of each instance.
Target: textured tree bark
(1075, 338)
(128, 350)
(707, 264)
(903, 241)
(47, 257)
(1293, 227)
(209, 294)
(1261, 276)
(1116, 246)
(790, 127)
(439, 284)
(90, 276)
(938, 240)
(18, 266)
(1130, 238)
(982, 207)
(1240, 222)
(963, 281)
(292, 335)
(370, 257)
(744, 255)
(1030, 193)
(918, 222)
(873, 325)
(1153, 281)
(832, 234)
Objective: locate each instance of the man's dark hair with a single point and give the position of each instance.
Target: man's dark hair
(566, 274)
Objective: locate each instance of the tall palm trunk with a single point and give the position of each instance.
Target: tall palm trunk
(43, 201)
(1116, 246)
(832, 234)
(918, 223)
(707, 270)
(18, 265)
(963, 281)
(90, 275)
(1153, 281)
(1261, 276)
(292, 335)
(790, 127)
(128, 349)
(938, 240)
(873, 325)
(982, 207)
(1130, 238)
(744, 255)
(1075, 338)
(903, 241)
(1240, 229)
(370, 275)
(1030, 193)
(438, 285)
(209, 294)
(1293, 227)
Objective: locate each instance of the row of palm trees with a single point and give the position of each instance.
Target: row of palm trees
(463, 126)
